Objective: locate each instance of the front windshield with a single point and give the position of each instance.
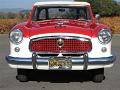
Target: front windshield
(47, 13)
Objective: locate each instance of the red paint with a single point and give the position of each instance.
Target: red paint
(69, 26)
(31, 28)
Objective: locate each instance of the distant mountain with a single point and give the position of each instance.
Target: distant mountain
(14, 10)
(25, 11)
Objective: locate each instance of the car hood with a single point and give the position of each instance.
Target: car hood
(61, 26)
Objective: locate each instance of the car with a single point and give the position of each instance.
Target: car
(61, 35)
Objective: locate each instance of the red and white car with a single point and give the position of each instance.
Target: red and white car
(61, 35)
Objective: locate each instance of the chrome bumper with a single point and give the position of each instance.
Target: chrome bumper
(85, 61)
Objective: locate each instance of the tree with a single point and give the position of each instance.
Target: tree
(11, 15)
(104, 7)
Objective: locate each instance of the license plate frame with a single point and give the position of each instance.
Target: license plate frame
(60, 63)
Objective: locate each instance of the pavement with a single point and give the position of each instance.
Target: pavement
(43, 80)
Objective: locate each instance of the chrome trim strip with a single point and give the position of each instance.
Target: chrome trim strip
(75, 61)
(65, 52)
(61, 37)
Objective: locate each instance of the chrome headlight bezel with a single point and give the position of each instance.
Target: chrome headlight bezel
(104, 36)
(16, 36)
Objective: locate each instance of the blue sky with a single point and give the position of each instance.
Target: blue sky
(27, 4)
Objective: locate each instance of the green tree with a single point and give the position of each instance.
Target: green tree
(11, 15)
(104, 7)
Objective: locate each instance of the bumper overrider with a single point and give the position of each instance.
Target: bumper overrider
(85, 61)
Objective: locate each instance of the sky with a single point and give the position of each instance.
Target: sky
(26, 4)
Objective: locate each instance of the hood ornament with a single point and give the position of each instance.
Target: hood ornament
(60, 43)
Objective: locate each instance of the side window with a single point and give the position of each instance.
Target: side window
(42, 14)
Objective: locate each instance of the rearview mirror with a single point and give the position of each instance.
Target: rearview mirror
(61, 10)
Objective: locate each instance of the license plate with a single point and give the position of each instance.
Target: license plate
(60, 63)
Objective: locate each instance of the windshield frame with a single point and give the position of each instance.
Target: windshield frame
(87, 7)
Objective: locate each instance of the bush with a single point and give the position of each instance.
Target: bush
(113, 23)
(7, 24)
(104, 7)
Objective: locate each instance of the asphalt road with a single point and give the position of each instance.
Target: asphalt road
(60, 81)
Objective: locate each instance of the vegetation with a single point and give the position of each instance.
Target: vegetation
(10, 15)
(104, 7)
(7, 24)
(112, 22)
(10, 19)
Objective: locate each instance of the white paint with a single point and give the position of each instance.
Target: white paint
(61, 3)
(96, 49)
(25, 66)
(95, 53)
(12, 66)
(43, 67)
(99, 66)
(46, 67)
(80, 67)
(24, 49)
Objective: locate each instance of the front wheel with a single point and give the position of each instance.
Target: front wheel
(98, 75)
(22, 75)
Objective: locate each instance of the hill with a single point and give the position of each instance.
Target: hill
(14, 10)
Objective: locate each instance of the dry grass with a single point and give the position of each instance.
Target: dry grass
(112, 22)
(7, 24)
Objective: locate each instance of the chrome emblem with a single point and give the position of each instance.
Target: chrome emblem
(60, 43)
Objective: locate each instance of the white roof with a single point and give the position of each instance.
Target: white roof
(61, 3)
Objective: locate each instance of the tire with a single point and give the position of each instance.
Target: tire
(22, 75)
(98, 78)
(98, 75)
(22, 78)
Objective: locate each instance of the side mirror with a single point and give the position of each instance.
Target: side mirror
(97, 16)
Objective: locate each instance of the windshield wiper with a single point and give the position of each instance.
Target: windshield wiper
(83, 20)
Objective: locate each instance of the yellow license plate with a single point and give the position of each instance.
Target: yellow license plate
(58, 63)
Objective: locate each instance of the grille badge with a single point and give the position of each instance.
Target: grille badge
(60, 43)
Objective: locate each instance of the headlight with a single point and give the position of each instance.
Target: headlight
(104, 36)
(16, 36)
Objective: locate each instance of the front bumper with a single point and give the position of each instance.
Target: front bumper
(78, 63)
